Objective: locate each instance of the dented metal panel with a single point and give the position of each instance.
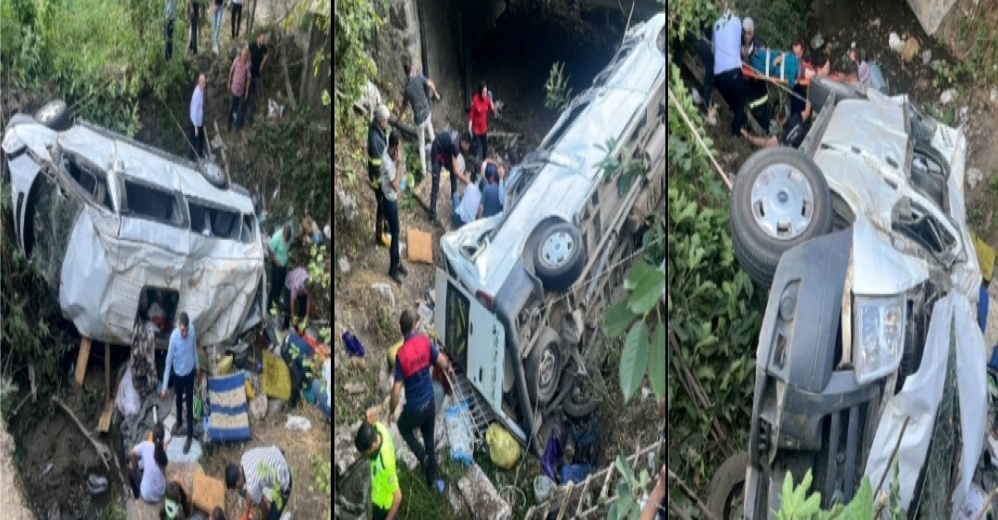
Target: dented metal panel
(99, 261)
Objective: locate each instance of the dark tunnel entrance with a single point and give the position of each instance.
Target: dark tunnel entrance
(514, 57)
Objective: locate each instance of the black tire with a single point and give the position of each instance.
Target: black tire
(214, 174)
(820, 89)
(727, 485)
(54, 115)
(587, 402)
(559, 257)
(543, 367)
(757, 249)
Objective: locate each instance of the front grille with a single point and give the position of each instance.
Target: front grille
(840, 464)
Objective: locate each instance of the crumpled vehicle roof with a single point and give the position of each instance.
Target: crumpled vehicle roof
(99, 261)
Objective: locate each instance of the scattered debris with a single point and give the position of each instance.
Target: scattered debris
(947, 96)
(354, 388)
(895, 42)
(817, 41)
(695, 95)
(274, 406)
(347, 202)
(926, 56)
(297, 423)
(370, 98)
(96, 484)
(974, 177)
(875, 23)
(103, 452)
(994, 94)
(910, 49)
(385, 291)
(274, 111)
(258, 407)
(344, 264)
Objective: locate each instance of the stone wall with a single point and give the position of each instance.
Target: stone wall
(932, 13)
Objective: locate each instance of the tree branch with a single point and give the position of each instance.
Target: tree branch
(693, 496)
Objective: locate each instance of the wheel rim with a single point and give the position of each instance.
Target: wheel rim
(213, 173)
(557, 249)
(547, 370)
(48, 112)
(782, 202)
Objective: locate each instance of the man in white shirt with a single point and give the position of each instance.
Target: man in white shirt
(466, 208)
(391, 176)
(728, 80)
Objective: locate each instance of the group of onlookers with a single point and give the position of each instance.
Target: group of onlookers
(245, 73)
(196, 11)
(446, 150)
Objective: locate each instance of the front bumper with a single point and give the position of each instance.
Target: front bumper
(802, 401)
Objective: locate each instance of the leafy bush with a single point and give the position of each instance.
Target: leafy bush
(557, 94)
(298, 148)
(98, 56)
(356, 21)
(777, 22)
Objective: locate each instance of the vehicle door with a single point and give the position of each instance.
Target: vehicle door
(473, 337)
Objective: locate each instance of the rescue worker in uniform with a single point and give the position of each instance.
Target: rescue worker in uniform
(756, 91)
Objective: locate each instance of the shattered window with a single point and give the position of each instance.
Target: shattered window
(92, 183)
(248, 235)
(51, 214)
(214, 221)
(457, 324)
(153, 203)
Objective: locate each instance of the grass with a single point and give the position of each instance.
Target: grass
(419, 501)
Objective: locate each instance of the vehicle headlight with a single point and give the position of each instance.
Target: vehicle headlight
(878, 331)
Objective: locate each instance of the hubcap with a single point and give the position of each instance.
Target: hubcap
(557, 249)
(213, 173)
(547, 369)
(48, 112)
(782, 202)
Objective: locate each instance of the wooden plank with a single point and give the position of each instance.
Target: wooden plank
(82, 359)
(104, 424)
(107, 372)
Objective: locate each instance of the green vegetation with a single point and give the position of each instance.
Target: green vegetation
(557, 92)
(974, 43)
(777, 22)
(297, 151)
(100, 57)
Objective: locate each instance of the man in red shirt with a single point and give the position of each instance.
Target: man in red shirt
(412, 368)
(478, 118)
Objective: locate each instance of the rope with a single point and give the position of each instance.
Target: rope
(699, 140)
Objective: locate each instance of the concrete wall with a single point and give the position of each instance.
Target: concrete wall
(930, 13)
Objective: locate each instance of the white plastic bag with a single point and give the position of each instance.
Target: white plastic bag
(297, 423)
(458, 434)
(127, 400)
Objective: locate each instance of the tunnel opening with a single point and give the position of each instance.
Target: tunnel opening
(515, 54)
